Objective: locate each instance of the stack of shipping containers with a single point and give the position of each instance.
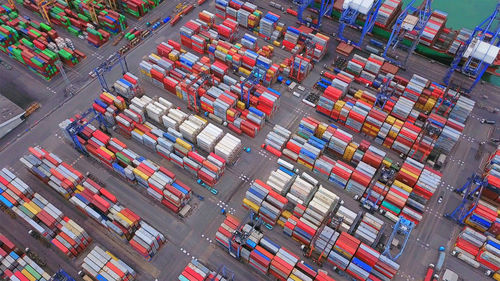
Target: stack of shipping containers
(27, 41)
(94, 200)
(16, 265)
(42, 216)
(103, 265)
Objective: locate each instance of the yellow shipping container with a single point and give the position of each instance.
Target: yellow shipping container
(403, 186)
(390, 119)
(145, 72)
(121, 216)
(230, 113)
(413, 175)
(244, 71)
(29, 208)
(307, 165)
(79, 188)
(429, 105)
(240, 105)
(184, 144)
(140, 174)
(349, 153)
(221, 49)
(386, 163)
(339, 104)
(155, 56)
(251, 205)
(172, 57)
(281, 223)
(286, 214)
(28, 275)
(35, 207)
(276, 43)
(201, 118)
(358, 94)
(107, 151)
(111, 255)
(295, 278)
(496, 276)
(321, 129)
(139, 131)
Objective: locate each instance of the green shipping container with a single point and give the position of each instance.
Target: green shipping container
(391, 207)
(33, 272)
(122, 158)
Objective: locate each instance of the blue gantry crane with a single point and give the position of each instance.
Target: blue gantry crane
(223, 272)
(77, 126)
(471, 191)
(62, 275)
(384, 93)
(107, 66)
(325, 9)
(402, 227)
(240, 236)
(487, 32)
(258, 73)
(350, 15)
(406, 27)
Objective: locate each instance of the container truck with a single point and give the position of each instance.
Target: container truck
(440, 261)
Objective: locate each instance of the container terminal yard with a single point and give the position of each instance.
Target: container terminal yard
(233, 140)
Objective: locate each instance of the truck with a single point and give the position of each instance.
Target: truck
(430, 272)
(440, 261)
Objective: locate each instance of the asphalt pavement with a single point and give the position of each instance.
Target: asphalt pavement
(194, 236)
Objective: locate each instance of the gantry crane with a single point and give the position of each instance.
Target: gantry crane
(325, 9)
(471, 190)
(384, 93)
(201, 79)
(406, 28)
(12, 4)
(107, 66)
(43, 9)
(257, 74)
(77, 126)
(61, 275)
(240, 236)
(223, 272)
(402, 227)
(350, 15)
(485, 35)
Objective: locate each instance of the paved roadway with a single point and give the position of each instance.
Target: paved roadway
(192, 236)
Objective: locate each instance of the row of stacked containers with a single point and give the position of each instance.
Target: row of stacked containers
(156, 180)
(101, 264)
(42, 215)
(268, 27)
(416, 120)
(94, 200)
(185, 74)
(16, 265)
(477, 243)
(28, 42)
(194, 79)
(81, 18)
(197, 271)
(303, 208)
(189, 141)
(333, 154)
(266, 256)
